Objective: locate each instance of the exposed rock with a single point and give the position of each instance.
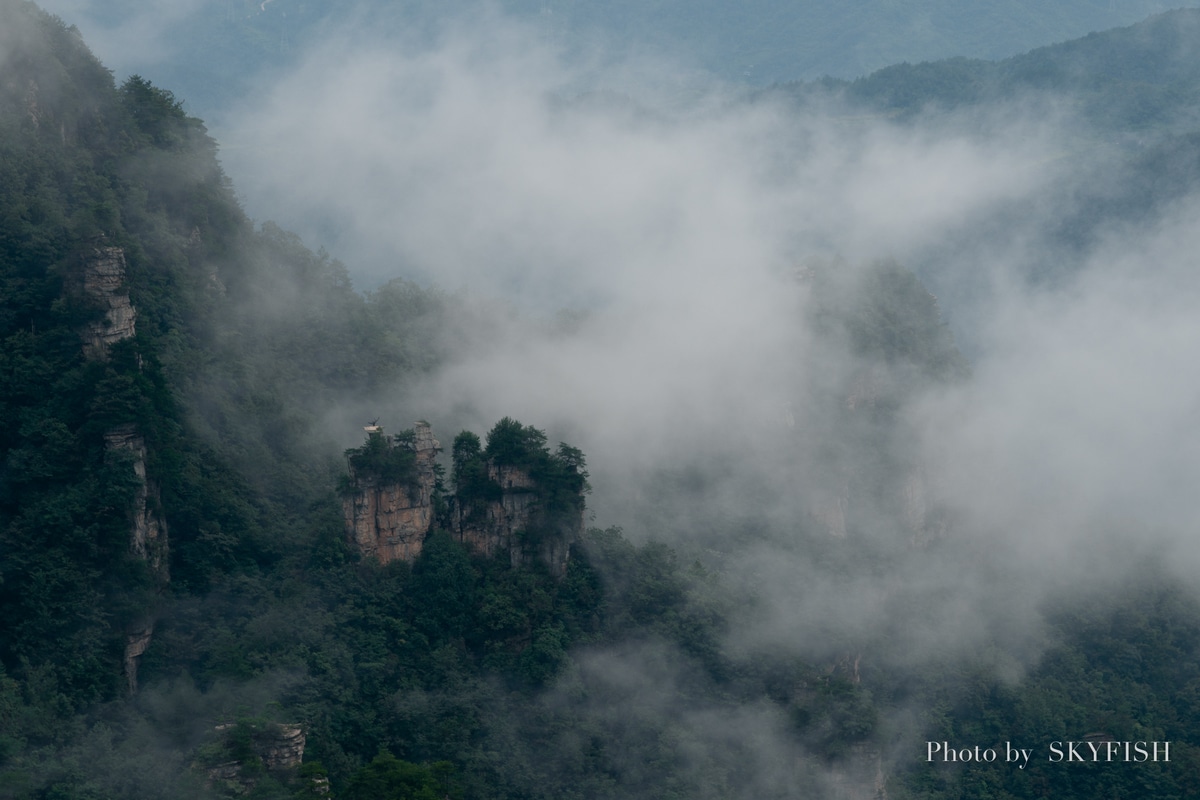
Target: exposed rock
(227, 775)
(515, 524)
(847, 666)
(135, 645)
(148, 531)
(31, 103)
(147, 537)
(389, 520)
(279, 747)
(104, 282)
(492, 528)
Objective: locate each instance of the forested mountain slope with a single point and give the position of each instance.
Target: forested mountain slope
(1136, 78)
(1122, 103)
(185, 612)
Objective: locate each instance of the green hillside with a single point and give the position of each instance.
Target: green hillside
(183, 613)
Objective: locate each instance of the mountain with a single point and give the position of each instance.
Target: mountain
(203, 594)
(215, 53)
(1138, 78)
(1122, 103)
(179, 587)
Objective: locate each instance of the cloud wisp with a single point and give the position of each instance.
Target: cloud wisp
(672, 232)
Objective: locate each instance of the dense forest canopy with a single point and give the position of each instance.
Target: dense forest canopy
(812, 592)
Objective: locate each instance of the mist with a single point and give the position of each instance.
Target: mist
(636, 258)
(629, 257)
(657, 272)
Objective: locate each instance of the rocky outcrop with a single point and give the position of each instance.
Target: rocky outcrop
(104, 283)
(147, 537)
(148, 531)
(389, 506)
(278, 747)
(389, 519)
(281, 746)
(515, 523)
(136, 644)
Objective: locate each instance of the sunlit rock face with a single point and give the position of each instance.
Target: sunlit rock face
(104, 283)
(388, 521)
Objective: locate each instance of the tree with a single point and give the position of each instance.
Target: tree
(389, 778)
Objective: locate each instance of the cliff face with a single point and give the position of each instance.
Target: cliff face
(147, 538)
(388, 519)
(104, 282)
(278, 747)
(148, 531)
(515, 523)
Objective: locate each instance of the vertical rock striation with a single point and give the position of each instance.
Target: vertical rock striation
(147, 537)
(104, 282)
(389, 506)
(515, 523)
(388, 518)
(279, 747)
(148, 530)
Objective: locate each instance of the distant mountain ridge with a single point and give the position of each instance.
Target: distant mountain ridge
(215, 52)
(1138, 76)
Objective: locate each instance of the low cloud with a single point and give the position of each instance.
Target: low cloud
(670, 231)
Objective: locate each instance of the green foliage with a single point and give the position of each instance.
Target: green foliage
(245, 340)
(469, 472)
(1106, 673)
(155, 112)
(447, 584)
(512, 444)
(559, 479)
(389, 778)
(383, 459)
